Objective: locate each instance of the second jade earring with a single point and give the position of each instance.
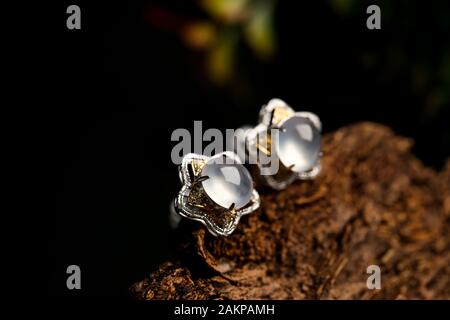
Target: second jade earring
(289, 139)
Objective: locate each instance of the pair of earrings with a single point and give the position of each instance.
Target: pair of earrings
(217, 191)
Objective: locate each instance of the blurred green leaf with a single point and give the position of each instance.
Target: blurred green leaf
(259, 30)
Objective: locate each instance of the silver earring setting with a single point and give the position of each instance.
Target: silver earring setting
(296, 146)
(217, 191)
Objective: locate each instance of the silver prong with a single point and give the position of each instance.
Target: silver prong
(202, 178)
(271, 117)
(191, 172)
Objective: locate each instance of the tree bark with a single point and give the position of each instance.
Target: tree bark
(374, 203)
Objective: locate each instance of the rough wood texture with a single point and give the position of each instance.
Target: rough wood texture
(373, 203)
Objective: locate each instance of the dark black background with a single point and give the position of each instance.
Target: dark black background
(120, 87)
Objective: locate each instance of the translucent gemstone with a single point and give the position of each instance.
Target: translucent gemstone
(298, 144)
(227, 183)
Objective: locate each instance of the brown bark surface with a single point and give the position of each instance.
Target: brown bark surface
(373, 203)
